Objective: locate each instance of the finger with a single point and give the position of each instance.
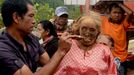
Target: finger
(65, 34)
(59, 34)
(75, 37)
(69, 41)
(62, 34)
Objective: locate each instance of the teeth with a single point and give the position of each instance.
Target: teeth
(80, 36)
(86, 39)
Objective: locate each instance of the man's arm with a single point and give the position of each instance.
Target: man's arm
(49, 68)
(44, 59)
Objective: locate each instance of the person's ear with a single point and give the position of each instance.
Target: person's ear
(98, 33)
(16, 17)
(48, 32)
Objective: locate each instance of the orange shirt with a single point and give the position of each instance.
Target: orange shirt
(118, 33)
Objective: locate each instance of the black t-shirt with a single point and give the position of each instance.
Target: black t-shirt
(13, 56)
(52, 46)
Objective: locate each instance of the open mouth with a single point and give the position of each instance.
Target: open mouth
(87, 39)
(116, 19)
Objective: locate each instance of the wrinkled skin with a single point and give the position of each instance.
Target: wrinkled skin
(89, 32)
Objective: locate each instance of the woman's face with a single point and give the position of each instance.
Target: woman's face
(41, 31)
(88, 30)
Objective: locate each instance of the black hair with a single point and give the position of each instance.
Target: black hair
(115, 5)
(11, 6)
(64, 15)
(47, 25)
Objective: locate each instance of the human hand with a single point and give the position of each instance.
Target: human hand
(59, 34)
(65, 42)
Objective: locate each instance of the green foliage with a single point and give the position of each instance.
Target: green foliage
(52, 3)
(74, 11)
(1, 23)
(43, 11)
(1, 1)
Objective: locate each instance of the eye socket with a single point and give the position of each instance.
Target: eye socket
(31, 15)
(84, 28)
(88, 29)
(92, 29)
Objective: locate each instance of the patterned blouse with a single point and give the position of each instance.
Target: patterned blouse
(97, 61)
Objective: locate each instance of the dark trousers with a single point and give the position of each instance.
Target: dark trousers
(122, 69)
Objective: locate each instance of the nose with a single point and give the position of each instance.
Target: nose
(87, 32)
(33, 22)
(117, 14)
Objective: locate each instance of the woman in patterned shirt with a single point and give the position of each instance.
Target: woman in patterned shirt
(86, 57)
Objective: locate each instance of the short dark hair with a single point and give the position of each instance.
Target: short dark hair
(115, 5)
(47, 25)
(64, 15)
(11, 6)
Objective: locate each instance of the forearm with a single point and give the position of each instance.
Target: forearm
(63, 47)
(126, 9)
(50, 68)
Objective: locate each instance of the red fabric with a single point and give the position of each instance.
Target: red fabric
(130, 57)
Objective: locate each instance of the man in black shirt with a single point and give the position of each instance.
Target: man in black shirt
(20, 51)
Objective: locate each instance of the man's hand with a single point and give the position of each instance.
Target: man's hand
(65, 42)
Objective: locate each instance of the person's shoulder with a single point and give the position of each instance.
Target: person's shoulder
(5, 41)
(33, 37)
(54, 41)
(4, 37)
(2, 30)
(103, 47)
(104, 17)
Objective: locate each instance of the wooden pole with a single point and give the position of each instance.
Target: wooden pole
(87, 4)
(81, 9)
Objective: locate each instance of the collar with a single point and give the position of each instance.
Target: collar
(26, 38)
(47, 40)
